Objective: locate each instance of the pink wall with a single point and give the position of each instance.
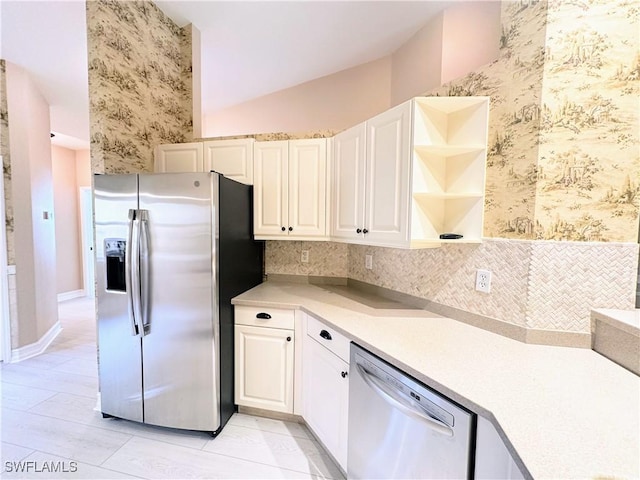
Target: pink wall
(334, 102)
(32, 189)
(67, 223)
(452, 44)
(416, 66)
(83, 168)
(470, 38)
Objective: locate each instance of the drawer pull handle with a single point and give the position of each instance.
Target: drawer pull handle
(288, 339)
(343, 374)
(263, 316)
(324, 334)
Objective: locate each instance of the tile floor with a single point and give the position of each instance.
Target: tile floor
(48, 419)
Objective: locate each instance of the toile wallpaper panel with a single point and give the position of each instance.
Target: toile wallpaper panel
(588, 185)
(514, 83)
(6, 164)
(140, 87)
(563, 161)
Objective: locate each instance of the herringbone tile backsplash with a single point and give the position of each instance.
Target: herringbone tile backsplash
(568, 279)
(547, 285)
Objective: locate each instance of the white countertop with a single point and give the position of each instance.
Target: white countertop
(629, 320)
(565, 412)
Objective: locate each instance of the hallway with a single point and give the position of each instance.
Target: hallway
(48, 419)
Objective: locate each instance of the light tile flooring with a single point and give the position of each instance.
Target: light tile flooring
(48, 419)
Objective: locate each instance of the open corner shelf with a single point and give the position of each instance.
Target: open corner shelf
(448, 164)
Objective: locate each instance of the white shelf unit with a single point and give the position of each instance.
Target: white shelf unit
(448, 165)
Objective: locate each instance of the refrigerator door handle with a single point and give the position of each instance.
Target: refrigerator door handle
(130, 254)
(144, 272)
(135, 275)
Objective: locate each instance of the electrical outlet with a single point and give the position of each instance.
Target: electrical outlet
(483, 281)
(304, 258)
(368, 262)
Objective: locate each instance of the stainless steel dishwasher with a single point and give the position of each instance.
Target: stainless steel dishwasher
(400, 429)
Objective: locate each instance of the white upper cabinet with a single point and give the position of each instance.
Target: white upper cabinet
(307, 187)
(347, 205)
(387, 185)
(179, 157)
(290, 189)
(271, 188)
(424, 168)
(232, 158)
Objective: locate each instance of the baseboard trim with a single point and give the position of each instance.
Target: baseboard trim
(70, 295)
(33, 349)
(260, 412)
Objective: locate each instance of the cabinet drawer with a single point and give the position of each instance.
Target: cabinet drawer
(273, 317)
(328, 337)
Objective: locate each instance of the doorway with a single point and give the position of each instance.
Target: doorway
(86, 226)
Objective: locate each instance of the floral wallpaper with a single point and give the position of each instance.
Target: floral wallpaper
(589, 161)
(563, 160)
(6, 161)
(267, 137)
(140, 87)
(514, 83)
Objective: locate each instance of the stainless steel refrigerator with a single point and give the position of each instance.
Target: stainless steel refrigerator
(171, 252)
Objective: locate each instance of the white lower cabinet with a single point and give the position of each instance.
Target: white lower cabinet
(326, 387)
(493, 460)
(289, 361)
(264, 359)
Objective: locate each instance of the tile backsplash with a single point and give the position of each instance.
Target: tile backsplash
(547, 285)
(326, 259)
(447, 275)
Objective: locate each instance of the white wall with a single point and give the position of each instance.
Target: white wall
(32, 187)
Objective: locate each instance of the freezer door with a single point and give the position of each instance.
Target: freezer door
(180, 340)
(119, 349)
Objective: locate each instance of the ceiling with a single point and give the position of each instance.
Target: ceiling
(248, 49)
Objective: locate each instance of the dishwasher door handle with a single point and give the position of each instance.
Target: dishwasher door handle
(390, 396)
